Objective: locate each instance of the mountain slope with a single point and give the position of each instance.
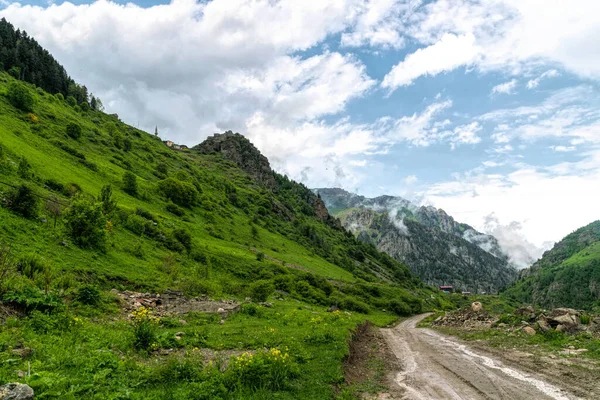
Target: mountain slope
(89, 205)
(438, 249)
(568, 275)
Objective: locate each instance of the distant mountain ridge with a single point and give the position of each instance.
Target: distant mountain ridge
(437, 248)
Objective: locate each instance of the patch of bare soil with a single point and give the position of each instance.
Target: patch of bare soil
(7, 311)
(370, 357)
(174, 302)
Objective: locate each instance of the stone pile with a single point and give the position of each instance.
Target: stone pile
(174, 302)
(473, 317)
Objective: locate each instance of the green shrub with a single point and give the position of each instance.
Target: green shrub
(30, 299)
(59, 96)
(85, 107)
(183, 237)
(261, 290)
(108, 204)
(24, 169)
(69, 149)
(72, 101)
(260, 256)
(251, 309)
(21, 97)
(127, 144)
(175, 209)
(145, 214)
(181, 193)
(23, 201)
(270, 370)
(88, 294)
(399, 308)
(85, 224)
(74, 130)
(144, 329)
(130, 185)
(54, 185)
(585, 319)
(137, 224)
(351, 304)
(31, 265)
(118, 140)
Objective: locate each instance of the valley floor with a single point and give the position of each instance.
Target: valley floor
(436, 366)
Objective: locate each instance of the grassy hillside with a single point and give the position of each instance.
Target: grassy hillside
(67, 239)
(566, 276)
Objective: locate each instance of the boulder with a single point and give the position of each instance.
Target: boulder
(476, 306)
(567, 317)
(16, 391)
(529, 330)
(543, 324)
(527, 312)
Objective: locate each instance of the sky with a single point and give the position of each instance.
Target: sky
(489, 109)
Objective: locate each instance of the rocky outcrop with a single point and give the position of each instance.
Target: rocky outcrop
(235, 147)
(16, 391)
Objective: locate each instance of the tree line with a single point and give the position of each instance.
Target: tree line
(23, 58)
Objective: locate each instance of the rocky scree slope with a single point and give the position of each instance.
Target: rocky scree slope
(438, 249)
(568, 275)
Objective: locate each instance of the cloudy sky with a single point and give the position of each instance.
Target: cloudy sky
(489, 109)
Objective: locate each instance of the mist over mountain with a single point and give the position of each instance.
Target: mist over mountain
(438, 249)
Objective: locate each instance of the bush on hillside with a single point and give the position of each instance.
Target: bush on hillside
(183, 237)
(130, 185)
(31, 265)
(88, 294)
(23, 201)
(127, 144)
(72, 101)
(108, 204)
(20, 97)
(85, 107)
(74, 130)
(175, 209)
(86, 225)
(24, 169)
(118, 140)
(261, 290)
(59, 96)
(181, 193)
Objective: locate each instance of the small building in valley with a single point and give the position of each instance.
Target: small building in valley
(447, 289)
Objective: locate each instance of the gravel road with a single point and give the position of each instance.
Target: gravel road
(435, 366)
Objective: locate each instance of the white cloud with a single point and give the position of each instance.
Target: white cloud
(546, 202)
(563, 149)
(450, 52)
(465, 134)
(409, 180)
(506, 35)
(505, 88)
(379, 23)
(418, 129)
(561, 115)
(533, 83)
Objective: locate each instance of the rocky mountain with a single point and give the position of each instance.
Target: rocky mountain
(438, 249)
(238, 149)
(568, 275)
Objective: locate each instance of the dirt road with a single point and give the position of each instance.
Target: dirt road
(435, 366)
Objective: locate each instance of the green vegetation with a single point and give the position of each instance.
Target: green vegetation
(566, 276)
(178, 220)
